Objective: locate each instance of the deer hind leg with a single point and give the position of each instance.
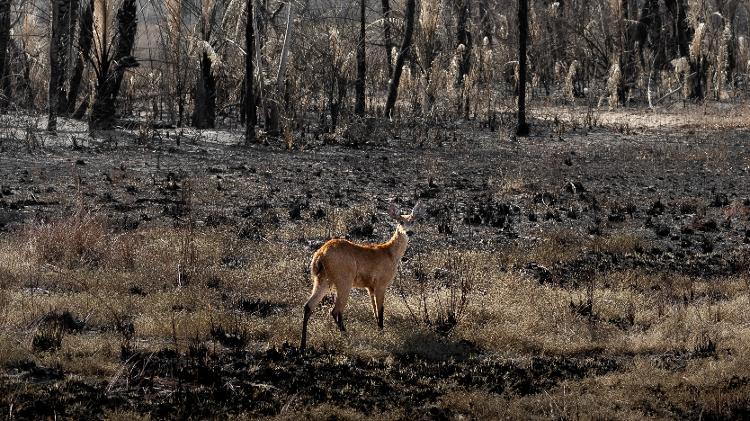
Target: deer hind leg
(379, 297)
(319, 291)
(342, 295)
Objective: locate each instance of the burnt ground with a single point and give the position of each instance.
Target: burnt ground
(681, 192)
(203, 384)
(685, 190)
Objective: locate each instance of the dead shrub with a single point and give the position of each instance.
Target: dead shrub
(48, 337)
(122, 252)
(76, 241)
(233, 337)
(443, 290)
(51, 329)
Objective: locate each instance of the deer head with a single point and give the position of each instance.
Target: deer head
(407, 220)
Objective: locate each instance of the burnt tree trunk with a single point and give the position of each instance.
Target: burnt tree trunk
(274, 113)
(522, 128)
(485, 26)
(127, 24)
(336, 94)
(67, 41)
(57, 58)
(85, 41)
(650, 33)
(680, 27)
(463, 37)
(387, 34)
(112, 69)
(4, 44)
(398, 68)
(251, 118)
(204, 113)
(729, 11)
(359, 86)
(628, 68)
(259, 41)
(684, 34)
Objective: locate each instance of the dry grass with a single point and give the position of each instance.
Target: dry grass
(556, 246)
(109, 280)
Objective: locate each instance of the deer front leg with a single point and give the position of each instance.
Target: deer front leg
(371, 293)
(379, 297)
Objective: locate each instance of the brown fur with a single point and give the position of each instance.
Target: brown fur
(342, 265)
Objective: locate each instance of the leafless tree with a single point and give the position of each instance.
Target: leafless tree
(463, 36)
(111, 59)
(58, 48)
(251, 116)
(522, 128)
(85, 41)
(386, 5)
(398, 68)
(4, 42)
(359, 86)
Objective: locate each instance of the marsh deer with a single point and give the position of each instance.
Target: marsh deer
(343, 265)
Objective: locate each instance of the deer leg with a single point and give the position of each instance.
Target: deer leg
(379, 297)
(371, 293)
(319, 291)
(342, 295)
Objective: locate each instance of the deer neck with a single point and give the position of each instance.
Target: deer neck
(398, 243)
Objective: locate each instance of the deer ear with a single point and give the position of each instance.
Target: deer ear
(393, 212)
(418, 210)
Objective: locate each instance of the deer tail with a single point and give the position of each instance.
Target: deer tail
(317, 269)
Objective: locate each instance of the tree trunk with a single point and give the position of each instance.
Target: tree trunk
(651, 32)
(85, 41)
(628, 68)
(4, 44)
(678, 10)
(204, 113)
(387, 34)
(485, 26)
(275, 114)
(112, 69)
(729, 11)
(259, 64)
(359, 86)
(684, 35)
(57, 58)
(396, 78)
(281, 75)
(463, 37)
(250, 112)
(127, 25)
(522, 129)
(336, 95)
(67, 42)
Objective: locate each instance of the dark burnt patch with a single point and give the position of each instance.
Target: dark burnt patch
(261, 383)
(259, 307)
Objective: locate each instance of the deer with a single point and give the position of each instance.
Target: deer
(342, 265)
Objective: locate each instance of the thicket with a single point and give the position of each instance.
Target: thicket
(325, 65)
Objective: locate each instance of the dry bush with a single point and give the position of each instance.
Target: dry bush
(76, 241)
(83, 239)
(441, 288)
